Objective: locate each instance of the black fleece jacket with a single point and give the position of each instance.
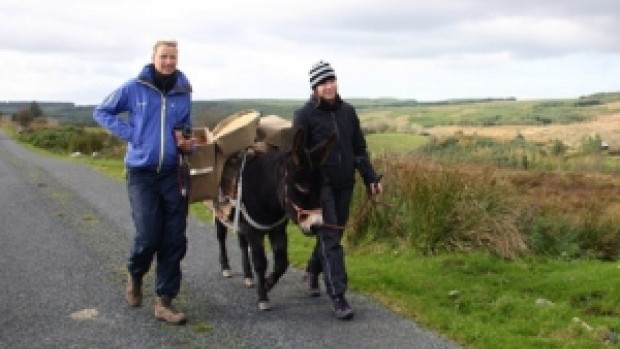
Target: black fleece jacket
(319, 120)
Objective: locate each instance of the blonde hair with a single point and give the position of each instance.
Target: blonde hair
(171, 43)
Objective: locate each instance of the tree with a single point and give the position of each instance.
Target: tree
(35, 110)
(23, 118)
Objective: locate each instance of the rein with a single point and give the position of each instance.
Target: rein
(370, 202)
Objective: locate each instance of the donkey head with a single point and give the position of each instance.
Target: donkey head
(304, 180)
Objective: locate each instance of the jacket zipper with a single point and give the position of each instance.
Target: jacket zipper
(162, 125)
(162, 143)
(337, 136)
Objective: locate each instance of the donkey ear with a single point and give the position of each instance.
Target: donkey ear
(299, 146)
(320, 152)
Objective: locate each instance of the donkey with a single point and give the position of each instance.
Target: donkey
(276, 186)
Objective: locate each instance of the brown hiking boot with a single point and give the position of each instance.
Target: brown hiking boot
(133, 291)
(165, 312)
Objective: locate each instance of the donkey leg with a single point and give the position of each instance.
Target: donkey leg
(259, 261)
(279, 246)
(248, 276)
(221, 232)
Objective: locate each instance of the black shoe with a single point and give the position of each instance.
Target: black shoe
(312, 281)
(342, 309)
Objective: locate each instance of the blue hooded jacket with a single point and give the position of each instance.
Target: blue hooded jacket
(152, 117)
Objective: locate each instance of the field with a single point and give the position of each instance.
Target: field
(605, 125)
(380, 143)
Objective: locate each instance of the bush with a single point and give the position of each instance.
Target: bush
(65, 139)
(53, 139)
(86, 143)
(436, 208)
(599, 235)
(555, 237)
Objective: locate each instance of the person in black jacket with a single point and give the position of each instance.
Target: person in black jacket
(323, 115)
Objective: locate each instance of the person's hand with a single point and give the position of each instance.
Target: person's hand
(185, 145)
(375, 188)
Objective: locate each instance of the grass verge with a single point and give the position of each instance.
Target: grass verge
(485, 302)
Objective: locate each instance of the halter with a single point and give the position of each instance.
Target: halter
(299, 211)
(370, 202)
(302, 213)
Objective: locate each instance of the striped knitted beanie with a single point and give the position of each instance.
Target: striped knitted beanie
(320, 72)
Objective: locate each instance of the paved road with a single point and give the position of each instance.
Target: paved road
(64, 235)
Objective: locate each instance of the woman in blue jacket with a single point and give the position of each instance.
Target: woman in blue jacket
(156, 103)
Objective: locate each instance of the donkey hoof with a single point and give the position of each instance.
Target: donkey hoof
(227, 273)
(264, 305)
(248, 282)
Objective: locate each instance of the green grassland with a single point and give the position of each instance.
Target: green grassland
(481, 301)
(379, 143)
(495, 112)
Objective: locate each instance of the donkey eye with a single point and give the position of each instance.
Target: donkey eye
(302, 188)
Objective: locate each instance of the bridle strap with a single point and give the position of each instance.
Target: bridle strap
(370, 202)
(300, 212)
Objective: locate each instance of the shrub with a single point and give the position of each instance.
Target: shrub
(437, 208)
(599, 235)
(553, 237)
(65, 139)
(86, 143)
(53, 139)
(434, 207)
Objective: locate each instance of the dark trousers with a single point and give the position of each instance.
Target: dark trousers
(328, 254)
(159, 214)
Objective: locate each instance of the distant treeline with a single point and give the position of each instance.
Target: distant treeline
(208, 113)
(65, 112)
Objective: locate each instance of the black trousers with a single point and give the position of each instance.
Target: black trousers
(328, 254)
(159, 214)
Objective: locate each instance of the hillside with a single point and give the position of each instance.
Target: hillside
(385, 114)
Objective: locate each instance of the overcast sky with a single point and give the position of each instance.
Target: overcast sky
(79, 51)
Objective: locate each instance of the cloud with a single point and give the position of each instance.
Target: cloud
(247, 48)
